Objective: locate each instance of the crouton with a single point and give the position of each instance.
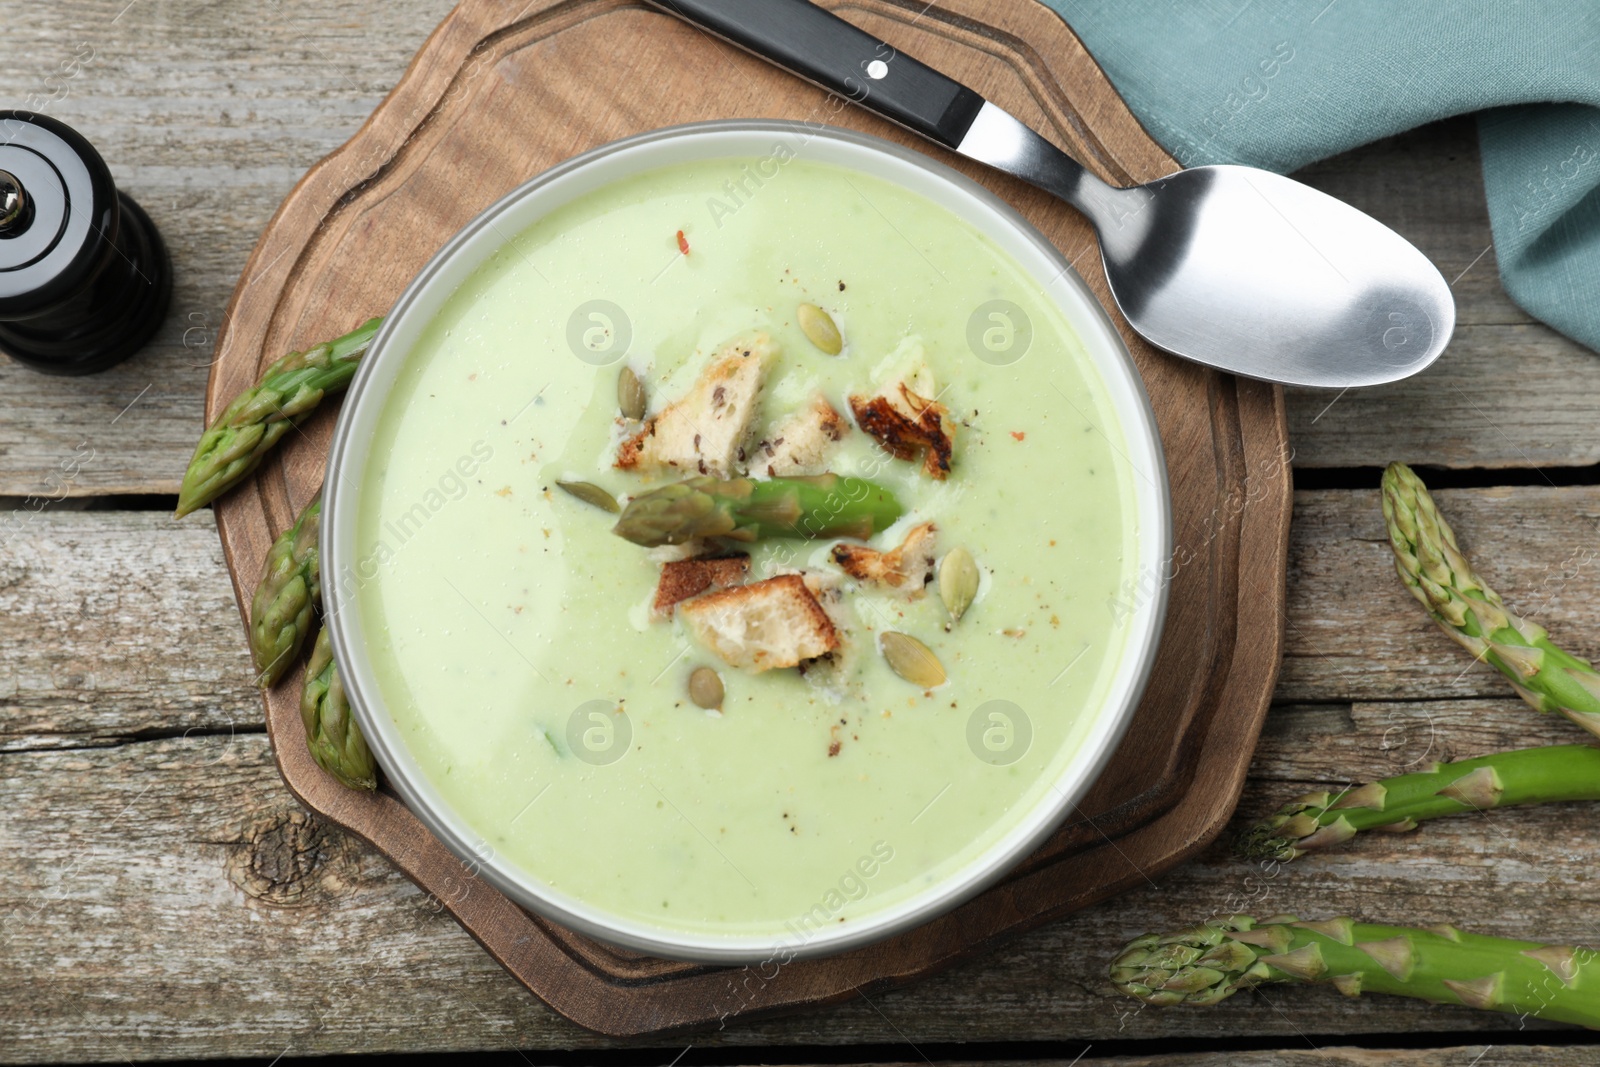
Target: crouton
(761, 626)
(706, 430)
(906, 567)
(799, 445)
(904, 421)
(687, 578)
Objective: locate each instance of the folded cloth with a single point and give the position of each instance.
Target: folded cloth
(1281, 83)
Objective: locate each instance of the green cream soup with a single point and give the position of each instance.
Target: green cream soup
(510, 631)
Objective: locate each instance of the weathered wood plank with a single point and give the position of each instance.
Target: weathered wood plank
(1458, 1056)
(1354, 632)
(208, 114)
(1366, 740)
(1509, 392)
(115, 625)
(114, 858)
(1500, 396)
(117, 857)
(81, 593)
(166, 898)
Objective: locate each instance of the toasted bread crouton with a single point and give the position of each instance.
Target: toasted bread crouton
(687, 578)
(904, 421)
(906, 567)
(705, 430)
(823, 586)
(799, 445)
(761, 626)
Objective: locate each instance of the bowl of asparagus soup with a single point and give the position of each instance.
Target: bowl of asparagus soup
(744, 542)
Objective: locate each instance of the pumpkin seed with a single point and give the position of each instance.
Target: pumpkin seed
(958, 582)
(591, 494)
(705, 688)
(630, 394)
(911, 659)
(819, 328)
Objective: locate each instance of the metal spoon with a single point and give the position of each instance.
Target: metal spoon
(1233, 267)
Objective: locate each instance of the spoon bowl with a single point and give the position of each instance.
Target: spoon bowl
(1266, 277)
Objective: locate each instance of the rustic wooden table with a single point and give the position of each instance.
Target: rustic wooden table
(162, 896)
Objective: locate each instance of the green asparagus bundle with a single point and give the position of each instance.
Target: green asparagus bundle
(331, 731)
(744, 509)
(252, 424)
(1438, 575)
(288, 593)
(1394, 805)
(1441, 964)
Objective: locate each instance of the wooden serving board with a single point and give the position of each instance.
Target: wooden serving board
(506, 88)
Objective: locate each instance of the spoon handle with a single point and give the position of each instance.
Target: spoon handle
(825, 50)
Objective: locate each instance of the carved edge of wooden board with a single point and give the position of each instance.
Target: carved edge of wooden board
(583, 980)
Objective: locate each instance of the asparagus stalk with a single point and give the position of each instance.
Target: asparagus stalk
(251, 425)
(288, 593)
(1209, 963)
(744, 509)
(331, 731)
(1394, 805)
(1438, 575)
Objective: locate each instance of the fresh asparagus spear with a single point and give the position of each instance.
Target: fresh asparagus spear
(287, 393)
(288, 593)
(1438, 575)
(744, 509)
(1209, 963)
(331, 731)
(1527, 776)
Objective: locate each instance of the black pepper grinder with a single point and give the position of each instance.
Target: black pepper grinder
(84, 276)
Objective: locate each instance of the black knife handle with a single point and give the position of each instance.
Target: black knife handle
(824, 49)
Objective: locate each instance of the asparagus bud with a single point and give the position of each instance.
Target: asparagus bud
(1209, 963)
(248, 428)
(744, 509)
(1440, 577)
(288, 593)
(331, 731)
(1527, 776)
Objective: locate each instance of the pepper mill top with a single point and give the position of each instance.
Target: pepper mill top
(13, 203)
(84, 276)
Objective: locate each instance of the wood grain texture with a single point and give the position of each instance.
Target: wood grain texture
(470, 121)
(1458, 1056)
(165, 898)
(1508, 392)
(116, 626)
(130, 933)
(316, 944)
(1501, 396)
(1354, 632)
(209, 113)
(75, 584)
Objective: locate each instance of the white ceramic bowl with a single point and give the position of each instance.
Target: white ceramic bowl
(487, 234)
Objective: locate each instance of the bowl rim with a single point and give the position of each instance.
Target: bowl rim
(1152, 511)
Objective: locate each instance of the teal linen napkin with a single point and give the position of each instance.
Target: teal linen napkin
(1281, 83)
